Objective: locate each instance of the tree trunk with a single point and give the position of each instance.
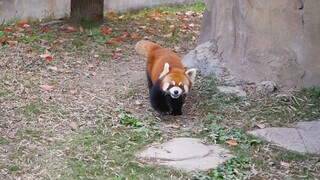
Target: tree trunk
(89, 10)
(259, 40)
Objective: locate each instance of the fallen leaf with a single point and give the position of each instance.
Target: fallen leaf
(156, 13)
(46, 30)
(184, 18)
(81, 29)
(138, 102)
(121, 17)
(112, 14)
(8, 30)
(112, 41)
(285, 165)
(183, 26)
(115, 55)
(118, 49)
(2, 40)
(20, 29)
(46, 87)
(119, 38)
(261, 126)
(46, 57)
(22, 22)
(232, 142)
(189, 13)
(29, 49)
(176, 48)
(90, 65)
(191, 25)
(151, 31)
(73, 92)
(105, 31)
(11, 43)
(73, 126)
(93, 73)
(71, 29)
(135, 36)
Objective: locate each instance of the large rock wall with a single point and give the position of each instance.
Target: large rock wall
(275, 40)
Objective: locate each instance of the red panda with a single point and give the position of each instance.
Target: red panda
(168, 81)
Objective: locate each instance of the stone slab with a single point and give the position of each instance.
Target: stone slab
(188, 154)
(233, 90)
(303, 138)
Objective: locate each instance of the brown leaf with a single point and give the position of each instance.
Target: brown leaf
(46, 87)
(46, 57)
(112, 14)
(183, 26)
(8, 30)
(2, 40)
(115, 55)
(261, 126)
(71, 29)
(232, 142)
(11, 43)
(22, 22)
(46, 30)
(106, 31)
(151, 31)
(135, 36)
(112, 41)
(119, 38)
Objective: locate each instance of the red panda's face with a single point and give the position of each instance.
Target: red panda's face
(177, 82)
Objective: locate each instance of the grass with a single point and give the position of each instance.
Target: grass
(251, 153)
(109, 153)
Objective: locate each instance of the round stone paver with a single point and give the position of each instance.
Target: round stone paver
(187, 154)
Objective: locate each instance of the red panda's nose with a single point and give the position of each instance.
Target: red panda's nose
(176, 92)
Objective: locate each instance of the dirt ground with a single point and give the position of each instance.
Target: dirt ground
(57, 79)
(75, 104)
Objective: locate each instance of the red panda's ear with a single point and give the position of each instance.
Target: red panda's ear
(165, 71)
(191, 74)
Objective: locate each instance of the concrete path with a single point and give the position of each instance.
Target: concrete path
(303, 138)
(188, 154)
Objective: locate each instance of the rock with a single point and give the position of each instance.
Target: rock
(303, 138)
(188, 154)
(266, 87)
(205, 58)
(233, 90)
(259, 40)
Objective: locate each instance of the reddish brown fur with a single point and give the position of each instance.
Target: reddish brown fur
(157, 56)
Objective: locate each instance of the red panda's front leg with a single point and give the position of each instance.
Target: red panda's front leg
(159, 99)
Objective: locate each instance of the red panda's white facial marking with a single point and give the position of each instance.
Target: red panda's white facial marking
(175, 89)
